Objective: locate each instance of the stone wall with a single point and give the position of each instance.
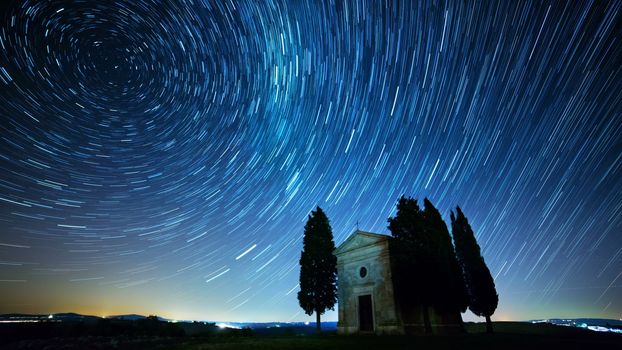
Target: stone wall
(371, 253)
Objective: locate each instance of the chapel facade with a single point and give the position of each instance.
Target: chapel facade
(365, 290)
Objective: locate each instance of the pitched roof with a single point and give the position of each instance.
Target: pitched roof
(373, 238)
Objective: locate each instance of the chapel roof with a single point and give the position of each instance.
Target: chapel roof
(360, 239)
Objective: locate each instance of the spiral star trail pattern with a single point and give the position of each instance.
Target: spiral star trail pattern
(161, 157)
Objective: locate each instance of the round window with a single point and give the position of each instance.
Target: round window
(363, 272)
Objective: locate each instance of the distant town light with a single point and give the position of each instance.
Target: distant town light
(226, 325)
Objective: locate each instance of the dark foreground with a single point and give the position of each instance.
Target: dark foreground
(509, 335)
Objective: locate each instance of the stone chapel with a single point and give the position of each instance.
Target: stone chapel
(365, 291)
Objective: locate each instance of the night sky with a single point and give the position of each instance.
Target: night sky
(162, 157)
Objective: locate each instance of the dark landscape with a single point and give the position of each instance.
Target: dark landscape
(150, 333)
(74, 331)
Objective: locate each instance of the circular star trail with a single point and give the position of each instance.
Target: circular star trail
(163, 156)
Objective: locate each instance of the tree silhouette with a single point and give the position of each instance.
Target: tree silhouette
(451, 294)
(483, 298)
(318, 267)
(412, 260)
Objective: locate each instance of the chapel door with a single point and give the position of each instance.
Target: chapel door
(366, 318)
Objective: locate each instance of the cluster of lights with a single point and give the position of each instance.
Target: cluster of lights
(226, 325)
(573, 323)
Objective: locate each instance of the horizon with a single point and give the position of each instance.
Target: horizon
(474, 319)
(163, 158)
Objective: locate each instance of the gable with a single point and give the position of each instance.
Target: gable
(360, 239)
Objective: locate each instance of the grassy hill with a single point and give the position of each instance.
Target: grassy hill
(509, 335)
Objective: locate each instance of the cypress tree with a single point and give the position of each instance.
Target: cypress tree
(483, 298)
(451, 294)
(318, 267)
(412, 260)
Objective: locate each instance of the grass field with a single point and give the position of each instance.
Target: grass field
(509, 335)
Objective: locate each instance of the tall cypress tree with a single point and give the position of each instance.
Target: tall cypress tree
(318, 267)
(412, 260)
(483, 298)
(451, 294)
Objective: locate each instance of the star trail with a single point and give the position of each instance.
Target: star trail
(161, 157)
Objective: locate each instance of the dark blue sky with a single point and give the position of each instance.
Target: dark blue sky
(162, 157)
